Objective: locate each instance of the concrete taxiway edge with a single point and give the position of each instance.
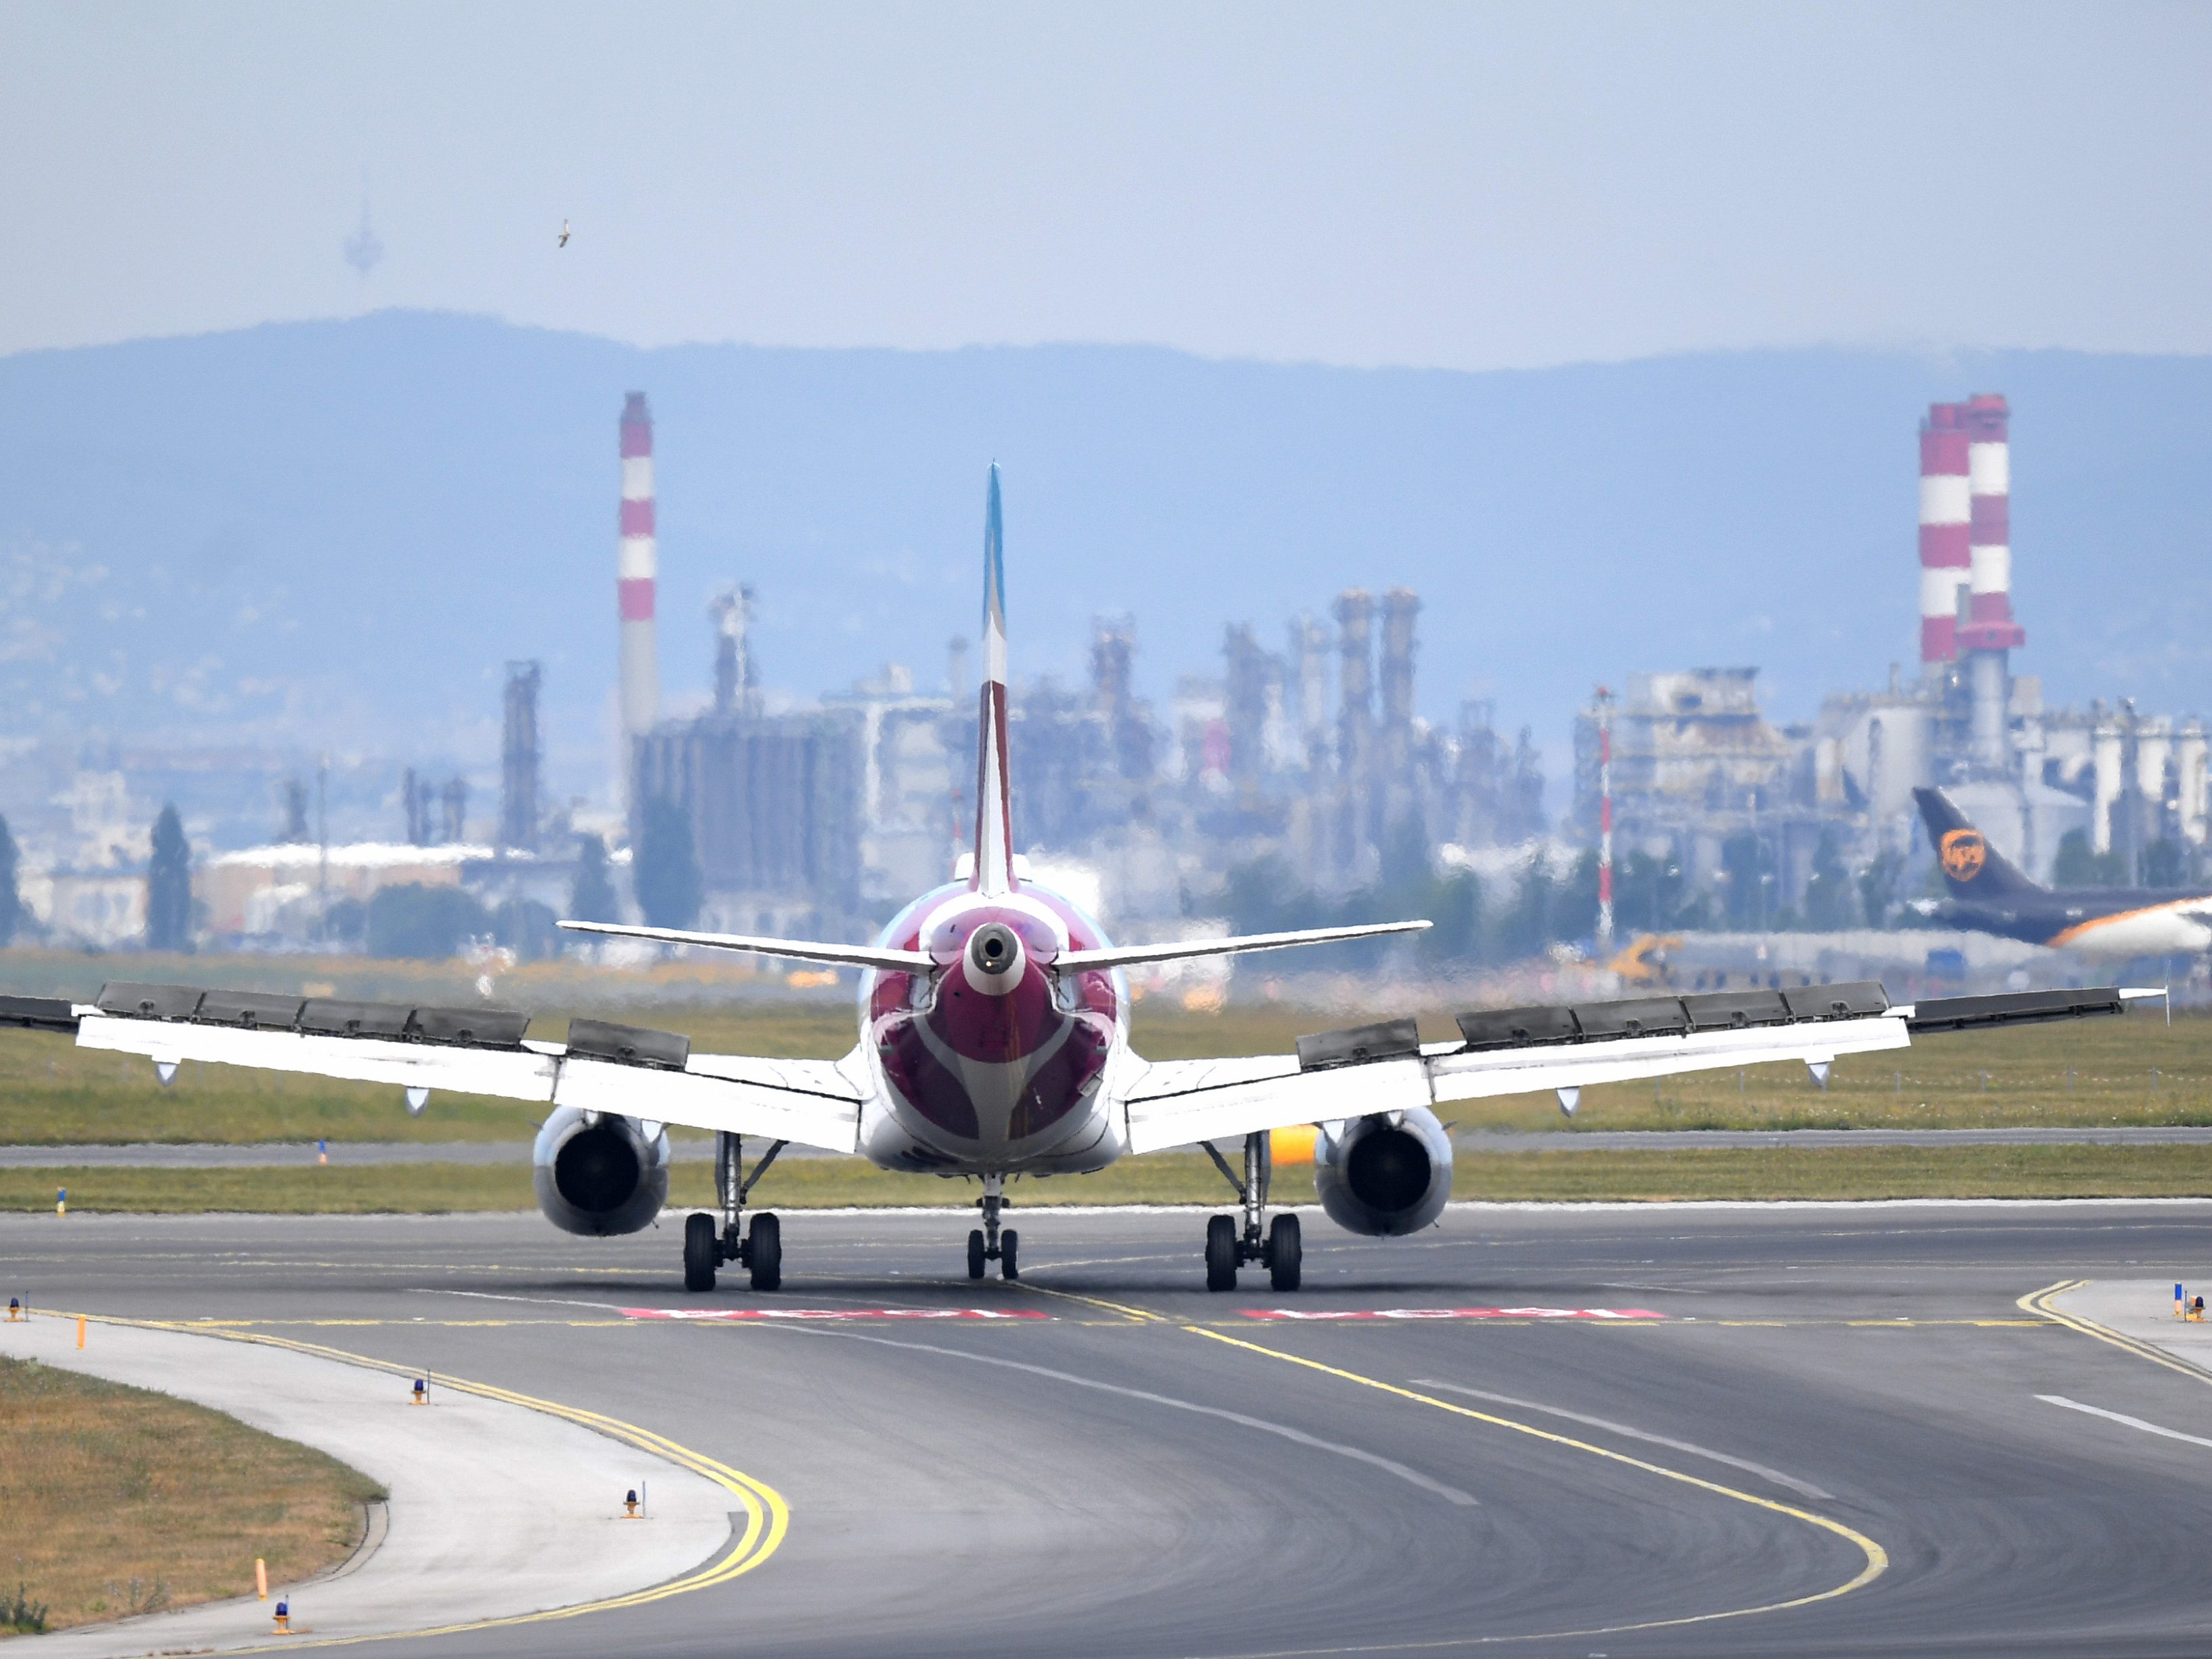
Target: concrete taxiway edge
(502, 1507)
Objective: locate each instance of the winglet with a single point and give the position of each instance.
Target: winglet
(995, 831)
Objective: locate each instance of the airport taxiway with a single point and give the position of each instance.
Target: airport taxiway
(1552, 1430)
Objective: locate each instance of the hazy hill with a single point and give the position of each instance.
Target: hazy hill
(337, 531)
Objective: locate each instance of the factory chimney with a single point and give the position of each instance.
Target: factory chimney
(737, 683)
(1399, 607)
(1355, 675)
(518, 761)
(1355, 741)
(1990, 632)
(638, 568)
(1946, 545)
(1309, 673)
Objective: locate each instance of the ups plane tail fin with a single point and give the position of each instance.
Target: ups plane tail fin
(1972, 869)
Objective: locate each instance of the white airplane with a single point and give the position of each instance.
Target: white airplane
(993, 1044)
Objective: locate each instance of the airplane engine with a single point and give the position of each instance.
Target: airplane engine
(598, 1174)
(1386, 1175)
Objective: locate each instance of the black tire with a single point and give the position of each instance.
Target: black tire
(1009, 1242)
(1221, 1253)
(765, 1254)
(976, 1254)
(1285, 1252)
(702, 1253)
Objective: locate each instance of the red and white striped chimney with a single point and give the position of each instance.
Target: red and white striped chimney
(637, 569)
(1989, 465)
(1945, 533)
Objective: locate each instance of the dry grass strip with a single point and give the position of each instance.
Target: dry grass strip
(116, 1500)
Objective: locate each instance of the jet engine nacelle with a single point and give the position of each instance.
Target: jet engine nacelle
(599, 1174)
(1385, 1175)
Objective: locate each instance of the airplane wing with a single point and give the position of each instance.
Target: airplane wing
(630, 1070)
(1562, 1050)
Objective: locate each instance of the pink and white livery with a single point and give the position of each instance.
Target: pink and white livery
(994, 1045)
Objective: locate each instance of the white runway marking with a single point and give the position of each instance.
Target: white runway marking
(1298, 1437)
(1806, 1487)
(533, 1301)
(1340, 1314)
(2121, 1417)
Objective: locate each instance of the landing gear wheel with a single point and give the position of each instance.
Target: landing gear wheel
(1284, 1252)
(976, 1254)
(1009, 1241)
(764, 1253)
(1221, 1252)
(702, 1253)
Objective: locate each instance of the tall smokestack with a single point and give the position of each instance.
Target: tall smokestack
(1400, 606)
(1354, 676)
(1946, 540)
(1987, 424)
(517, 760)
(638, 571)
(1990, 632)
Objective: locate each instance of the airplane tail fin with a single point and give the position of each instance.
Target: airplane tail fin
(1972, 869)
(994, 830)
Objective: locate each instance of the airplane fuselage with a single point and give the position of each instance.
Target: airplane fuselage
(2113, 923)
(993, 1065)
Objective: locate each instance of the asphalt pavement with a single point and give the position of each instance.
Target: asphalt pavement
(1820, 1428)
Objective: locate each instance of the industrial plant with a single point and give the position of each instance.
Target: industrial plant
(1297, 767)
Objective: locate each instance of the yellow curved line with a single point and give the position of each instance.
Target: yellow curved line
(768, 1518)
(2038, 1302)
(1877, 1559)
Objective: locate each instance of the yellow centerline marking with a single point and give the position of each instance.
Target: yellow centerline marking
(768, 1518)
(1877, 1559)
(2039, 1302)
(1141, 1316)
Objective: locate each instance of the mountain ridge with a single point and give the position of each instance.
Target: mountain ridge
(337, 532)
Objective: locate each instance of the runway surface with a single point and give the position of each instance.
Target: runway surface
(1545, 1430)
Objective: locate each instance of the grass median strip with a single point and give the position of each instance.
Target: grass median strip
(116, 1500)
(1649, 1175)
(2136, 1070)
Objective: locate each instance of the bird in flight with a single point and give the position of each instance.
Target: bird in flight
(564, 234)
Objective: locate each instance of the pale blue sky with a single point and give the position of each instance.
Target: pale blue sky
(1461, 185)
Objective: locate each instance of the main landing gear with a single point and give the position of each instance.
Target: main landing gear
(1227, 1250)
(986, 1243)
(708, 1246)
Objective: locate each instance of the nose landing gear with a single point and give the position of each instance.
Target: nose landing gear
(986, 1243)
(759, 1249)
(1280, 1248)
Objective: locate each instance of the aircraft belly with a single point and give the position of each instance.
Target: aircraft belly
(2158, 932)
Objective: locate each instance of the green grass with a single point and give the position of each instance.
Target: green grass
(438, 1188)
(2132, 1070)
(1655, 1175)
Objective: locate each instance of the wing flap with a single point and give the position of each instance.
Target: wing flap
(814, 1102)
(697, 1100)
(1179, 1102)
(509, 1074)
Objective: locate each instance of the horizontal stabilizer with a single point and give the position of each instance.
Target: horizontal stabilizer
(1124, 956)
(848, 956)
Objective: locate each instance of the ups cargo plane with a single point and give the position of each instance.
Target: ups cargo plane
(1989, 894)
(994, 1043)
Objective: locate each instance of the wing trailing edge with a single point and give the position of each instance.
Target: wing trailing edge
(796, 950)
(1125, 956)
